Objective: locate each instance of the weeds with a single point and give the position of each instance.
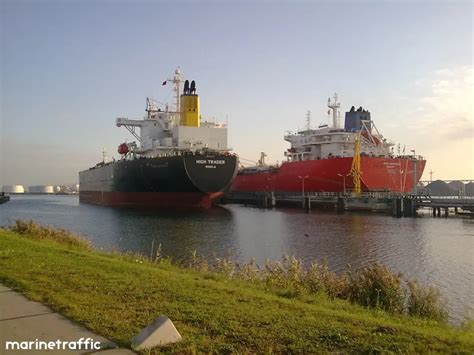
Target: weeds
(425, 302)
(373, 286)
(34, 230)
(376, 287)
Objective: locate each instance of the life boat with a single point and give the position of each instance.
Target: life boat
(123, 148)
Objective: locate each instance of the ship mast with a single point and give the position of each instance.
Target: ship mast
(308, 120)
(176, 81)
(334, 106)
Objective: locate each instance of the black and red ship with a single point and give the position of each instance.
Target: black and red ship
(180, 161)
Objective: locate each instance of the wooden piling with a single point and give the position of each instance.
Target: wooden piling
(341, 204)
(397, 207)
(408, 207)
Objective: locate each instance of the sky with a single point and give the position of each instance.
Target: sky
(70, 67)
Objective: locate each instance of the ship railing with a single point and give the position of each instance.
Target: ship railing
(454, 197)
(348, 193)
(409, 156)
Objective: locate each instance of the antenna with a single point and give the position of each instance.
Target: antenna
(308, 120)
(431, 175)
(151, 107)
(104, 155)
(261, 161)
(334, 106)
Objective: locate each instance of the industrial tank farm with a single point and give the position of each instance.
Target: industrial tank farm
(41, 189)
(13, 189)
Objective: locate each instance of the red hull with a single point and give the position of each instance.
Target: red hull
(172, 200)
(396, 175)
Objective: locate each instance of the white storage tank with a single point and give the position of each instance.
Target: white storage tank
(41, 189)
(13, 189)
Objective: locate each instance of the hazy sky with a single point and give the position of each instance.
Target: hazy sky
(69, 68)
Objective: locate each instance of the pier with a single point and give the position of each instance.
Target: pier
(445, 203)
(383, 202)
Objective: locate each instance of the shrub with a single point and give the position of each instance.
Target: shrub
(249, 271)
(376, 287)
(425, 302)
(318, 278)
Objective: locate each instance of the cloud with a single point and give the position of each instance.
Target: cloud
(445, 112)
(434, 115)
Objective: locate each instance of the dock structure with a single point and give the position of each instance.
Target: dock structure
(445, 203)
(385, 202)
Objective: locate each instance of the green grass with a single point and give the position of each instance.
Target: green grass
(116, 296)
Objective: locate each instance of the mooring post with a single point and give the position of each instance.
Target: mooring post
(307, 204)
(455, 210)
(397, 207)
(273, 199)
(340, 206)
(408, 207)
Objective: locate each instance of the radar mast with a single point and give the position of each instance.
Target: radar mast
(334, 106)
(176, 81)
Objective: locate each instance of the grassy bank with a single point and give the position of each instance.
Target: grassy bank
(116, 296)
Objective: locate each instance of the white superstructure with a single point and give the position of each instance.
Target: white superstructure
(330, 142)
(165, 131)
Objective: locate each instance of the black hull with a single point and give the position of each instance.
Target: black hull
(165, 181)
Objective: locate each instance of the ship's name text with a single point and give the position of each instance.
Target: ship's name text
(209, 161)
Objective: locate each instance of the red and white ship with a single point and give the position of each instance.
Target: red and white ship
(333, 159)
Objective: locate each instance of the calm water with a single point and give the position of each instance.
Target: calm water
(435, 251)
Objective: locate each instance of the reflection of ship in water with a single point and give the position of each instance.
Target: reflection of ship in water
(181, 161)
(177, 235)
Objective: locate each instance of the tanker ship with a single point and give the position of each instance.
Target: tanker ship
(352, 159)
(177, 160)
